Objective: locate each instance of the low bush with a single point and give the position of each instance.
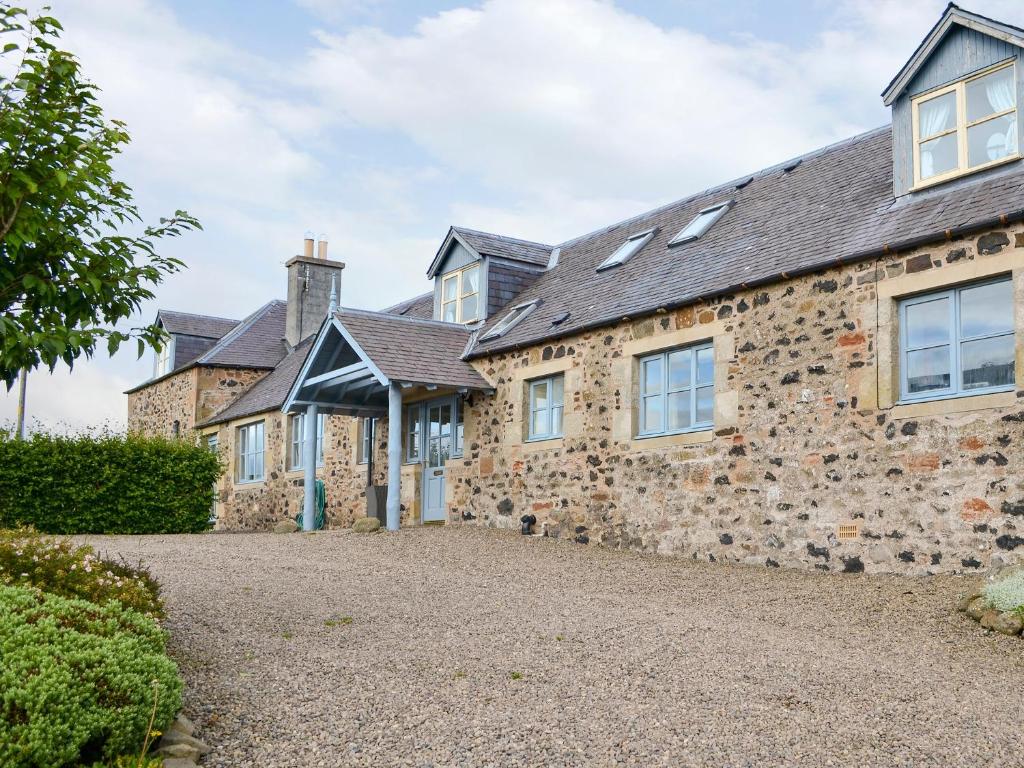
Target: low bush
(58, 566)
(1006, 593)
(79, 681)
(106, 483)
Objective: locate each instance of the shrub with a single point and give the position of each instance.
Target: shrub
(62, 568)
(78, 680)
(106, 483)
(1007, 593)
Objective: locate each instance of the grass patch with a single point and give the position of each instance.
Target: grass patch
(1006, 593)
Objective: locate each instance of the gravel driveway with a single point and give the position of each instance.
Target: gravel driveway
(471, 647)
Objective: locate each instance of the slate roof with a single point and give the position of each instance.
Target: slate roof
(204, 326)
(487, 244)
(256, 342)
(413, 350)
(835, 204)
(269, 393)
(420, 306)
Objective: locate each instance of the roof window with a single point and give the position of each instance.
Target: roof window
(701, 223)
(627, 250)
(509, 321)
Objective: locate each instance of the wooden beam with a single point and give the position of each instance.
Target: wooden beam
(339, 375)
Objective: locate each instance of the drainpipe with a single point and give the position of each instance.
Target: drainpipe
(309, 468)
(394, 454)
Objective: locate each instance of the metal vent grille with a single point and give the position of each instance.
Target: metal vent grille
(848, 531)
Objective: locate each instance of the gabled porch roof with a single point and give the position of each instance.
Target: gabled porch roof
(357, 355)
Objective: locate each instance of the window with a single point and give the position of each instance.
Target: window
(677, 391)
(213, 445)
(958, 341)
(164, 357)
(413, 435)
(250, 452)
(510, 320)
(367, 430)
(546, 407)
(701, 223)
(460, 295)
(627, 250)
(965, 126)
(297, 422)
(460, 427)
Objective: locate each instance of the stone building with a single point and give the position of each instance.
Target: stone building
(815, 365)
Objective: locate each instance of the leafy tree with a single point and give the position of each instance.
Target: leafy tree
(69, 272)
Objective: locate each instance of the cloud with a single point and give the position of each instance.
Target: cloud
(69, 401)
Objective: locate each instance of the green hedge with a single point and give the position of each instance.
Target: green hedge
(79, 681)
(106, 484)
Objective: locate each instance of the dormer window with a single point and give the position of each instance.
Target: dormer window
(965, 126)
(701, 223)
(164, 358)
(627, 250)
(460, 295)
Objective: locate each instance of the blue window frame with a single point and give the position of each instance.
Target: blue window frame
(677, 391)
(546, 400)
(367, 431)
(957, 342)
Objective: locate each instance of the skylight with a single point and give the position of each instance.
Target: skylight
(515, 315)
(627, 250)
(701, 223)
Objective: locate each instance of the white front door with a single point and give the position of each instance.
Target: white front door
(438, 438)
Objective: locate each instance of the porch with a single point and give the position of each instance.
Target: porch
(405, 372)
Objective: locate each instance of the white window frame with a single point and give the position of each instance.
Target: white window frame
(550, 432)
(643, 430)
(960, 88)
(693, 230)
(367, 430)
(250, 452)
(956, 339)
(461, 294)
(296, 429)
(164, 359)
(630, 248)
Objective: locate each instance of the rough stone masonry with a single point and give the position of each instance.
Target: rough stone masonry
(807, 434)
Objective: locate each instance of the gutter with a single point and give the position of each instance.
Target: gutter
(886, 249)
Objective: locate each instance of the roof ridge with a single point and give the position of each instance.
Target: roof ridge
(238, 330)
(501, 237)
(393, 307)
(402, 318)
(862, 136)
(198, 314)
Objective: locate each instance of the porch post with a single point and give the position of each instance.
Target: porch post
(309, 468)
(394, 454)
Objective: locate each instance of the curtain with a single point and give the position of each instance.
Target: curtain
(932, 117)
(1000, 92)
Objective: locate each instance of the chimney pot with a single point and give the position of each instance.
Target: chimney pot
(321, 247)
(307, 245)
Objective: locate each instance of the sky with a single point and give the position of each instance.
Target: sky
(379, 124)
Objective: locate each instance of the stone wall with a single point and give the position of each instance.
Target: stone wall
(187, 398)
(259, 505)
(807, 437)
(155, 409)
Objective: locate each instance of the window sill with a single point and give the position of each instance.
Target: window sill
(301, 472)
(934, 182)
(678, 439)
(543, 443)
(953, 404)
(247, 484)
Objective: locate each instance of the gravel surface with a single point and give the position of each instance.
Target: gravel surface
(473, 647)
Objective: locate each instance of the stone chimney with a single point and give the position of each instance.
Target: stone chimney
(310, 278)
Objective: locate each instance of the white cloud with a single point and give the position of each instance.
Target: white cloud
(68, 401)
(537, 118)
